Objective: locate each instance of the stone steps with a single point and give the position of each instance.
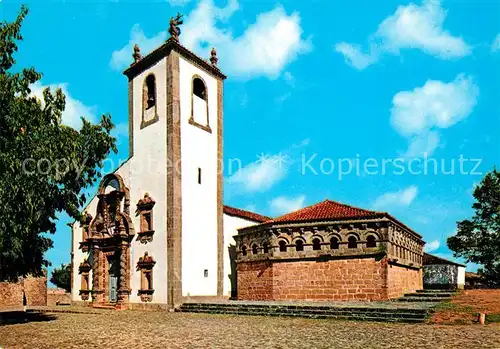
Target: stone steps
(430, 294)
(435, 291)
(407, 298)
(315, 312)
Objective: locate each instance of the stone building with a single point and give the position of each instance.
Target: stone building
(328, 251)
(157, 232)
(154, 233)
(440, 273)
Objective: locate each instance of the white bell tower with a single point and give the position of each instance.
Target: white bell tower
(175, 130)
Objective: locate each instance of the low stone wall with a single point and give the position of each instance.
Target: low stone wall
(57, 296)
(346, 279)
(35, 290)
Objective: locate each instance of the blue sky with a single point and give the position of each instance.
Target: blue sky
(313, 83)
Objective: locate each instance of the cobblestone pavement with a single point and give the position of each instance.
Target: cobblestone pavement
(140, 329)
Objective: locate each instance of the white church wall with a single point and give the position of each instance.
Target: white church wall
(461, 277)
(199, 201)
(231, 226)
(146, 173)
(78, 255)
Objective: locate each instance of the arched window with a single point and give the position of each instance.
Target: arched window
(299, 245)
(266, 247)
(244, 250)
(371, 241)
(282, 244)
(334, 243)
(255, 249)
(199, 105)
(149, 114)
(352, 242)
(150, 91)
(316, 244)
(199, 88)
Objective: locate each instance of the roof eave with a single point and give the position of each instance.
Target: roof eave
(164, 50)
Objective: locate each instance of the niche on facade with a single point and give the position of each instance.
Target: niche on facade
(84, 270)
(145, 213)
(85, 223)
(145, 265)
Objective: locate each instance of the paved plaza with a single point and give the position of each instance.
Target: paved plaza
(141, 329)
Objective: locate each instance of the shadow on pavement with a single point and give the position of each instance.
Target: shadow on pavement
(20, 317)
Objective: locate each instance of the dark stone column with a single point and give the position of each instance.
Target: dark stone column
(96, 277)
(124, 290)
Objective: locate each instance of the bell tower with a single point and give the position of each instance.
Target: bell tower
(175, 140)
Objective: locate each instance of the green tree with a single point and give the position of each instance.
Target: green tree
(44, 165)
(61, 277)
(478, 239)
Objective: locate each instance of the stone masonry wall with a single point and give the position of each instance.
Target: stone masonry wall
(347, 279)
(403, 280)
(11, 294)
(57, 296)
(255, 280)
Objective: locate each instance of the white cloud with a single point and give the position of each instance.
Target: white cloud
(264, 49)
(74, 108)
(282, 205)
(122, 58)
(432, 246)
(264, 173)
(496, 44)
(258, 176)
(419, 113)
(354, 56)
(410, 27)
(402, 197)
(420, 144)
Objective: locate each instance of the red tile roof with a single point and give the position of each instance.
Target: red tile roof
(430, 259)
(236, 212)
(327, 209)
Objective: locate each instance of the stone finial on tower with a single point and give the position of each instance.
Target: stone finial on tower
(174, 29)
(213, 57)
(137, 53)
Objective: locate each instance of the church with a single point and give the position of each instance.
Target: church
(157, 233)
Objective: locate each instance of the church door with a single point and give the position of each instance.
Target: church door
(113, 279)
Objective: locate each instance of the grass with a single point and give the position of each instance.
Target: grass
(493, 318)
(449, 306)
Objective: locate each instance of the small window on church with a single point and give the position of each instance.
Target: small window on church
(266, 247)
(352, 242)
(334, 243)
(299, 245)
(150, 91)
(255, 249)
(199, 88)
(371, 241)
(316, 244)
(282, 244)
(244, 250)
(199, 175)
